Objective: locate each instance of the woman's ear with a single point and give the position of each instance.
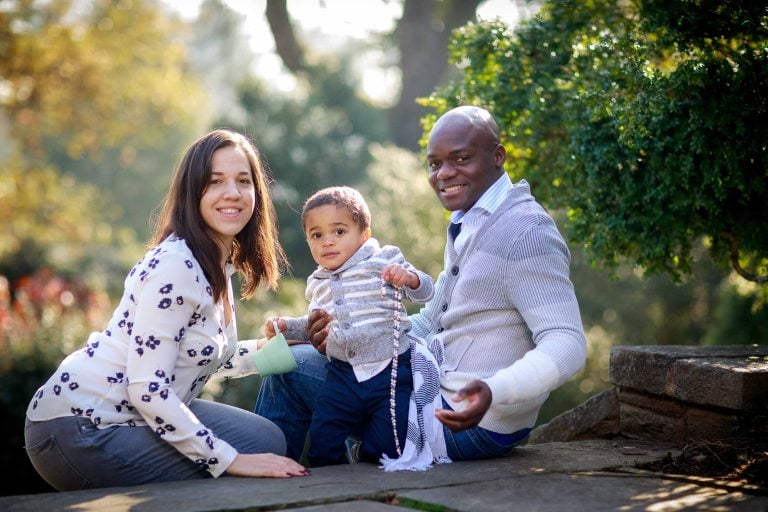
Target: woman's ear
(366, 234)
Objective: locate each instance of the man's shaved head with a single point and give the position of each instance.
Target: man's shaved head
(476, 116)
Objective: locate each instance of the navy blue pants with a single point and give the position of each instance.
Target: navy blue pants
(347, 408)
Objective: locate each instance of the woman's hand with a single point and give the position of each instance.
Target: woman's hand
(265, 465)
(317, 328)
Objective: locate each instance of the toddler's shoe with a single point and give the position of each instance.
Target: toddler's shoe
(352, 444)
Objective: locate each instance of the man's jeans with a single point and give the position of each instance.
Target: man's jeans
(288, 399)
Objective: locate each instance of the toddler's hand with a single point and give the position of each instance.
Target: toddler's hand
(399, 277)
(269, 327)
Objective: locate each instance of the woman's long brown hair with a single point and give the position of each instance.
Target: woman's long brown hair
(256, 252)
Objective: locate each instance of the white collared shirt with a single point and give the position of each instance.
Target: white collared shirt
(481, 210)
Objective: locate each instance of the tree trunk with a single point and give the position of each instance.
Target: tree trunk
(422, 34)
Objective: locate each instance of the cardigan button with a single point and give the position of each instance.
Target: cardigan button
(441, 329)
(445, 307)
(455, 271)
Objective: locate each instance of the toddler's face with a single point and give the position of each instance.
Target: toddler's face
(333, 236)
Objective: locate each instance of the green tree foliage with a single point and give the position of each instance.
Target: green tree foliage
(219, 53)
(417, 48)
(739, 319)
(647, 120)
(93, 74)
(100, 90)
(52, 221)
(645, 123)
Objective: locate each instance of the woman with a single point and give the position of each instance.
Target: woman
(123, 410)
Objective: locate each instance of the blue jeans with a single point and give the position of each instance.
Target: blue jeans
(288, 400)
(70, 453)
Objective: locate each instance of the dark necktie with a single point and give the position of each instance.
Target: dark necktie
(454, 229)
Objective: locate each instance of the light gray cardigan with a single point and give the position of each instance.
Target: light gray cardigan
(506, 312)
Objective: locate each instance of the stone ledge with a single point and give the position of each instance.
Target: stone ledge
(673, 394)
(597, 418)
(730, 377)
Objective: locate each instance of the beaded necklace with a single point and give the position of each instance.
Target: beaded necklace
(398, 296)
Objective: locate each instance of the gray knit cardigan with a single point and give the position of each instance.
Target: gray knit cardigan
(506, 312)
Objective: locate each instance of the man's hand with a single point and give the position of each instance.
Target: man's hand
(317, 328)
(478, 396)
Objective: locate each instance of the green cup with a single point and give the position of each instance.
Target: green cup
(275, 356)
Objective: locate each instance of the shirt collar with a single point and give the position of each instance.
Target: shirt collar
(490, 200)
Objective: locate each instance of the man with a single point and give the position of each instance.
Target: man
(504, 307)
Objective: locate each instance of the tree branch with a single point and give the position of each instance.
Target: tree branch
(735, 260)
(288, 47)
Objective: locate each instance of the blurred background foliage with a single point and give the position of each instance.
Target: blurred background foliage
(641, 126)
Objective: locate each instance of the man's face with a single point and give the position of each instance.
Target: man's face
(463, 160)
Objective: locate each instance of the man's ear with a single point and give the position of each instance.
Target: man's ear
(499, 156)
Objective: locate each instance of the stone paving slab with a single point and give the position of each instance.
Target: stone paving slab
(586, 492)
(578, 476)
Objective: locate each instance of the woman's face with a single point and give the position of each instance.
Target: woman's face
(229, 198)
